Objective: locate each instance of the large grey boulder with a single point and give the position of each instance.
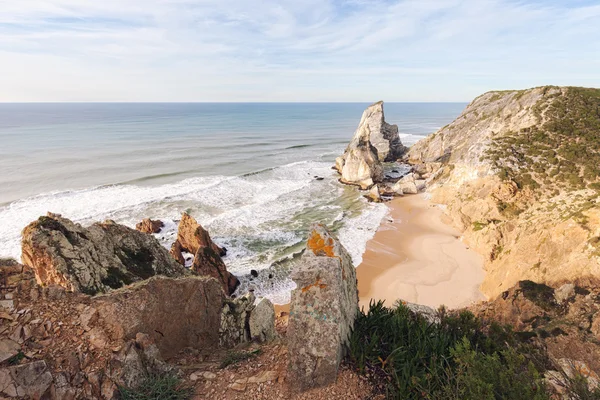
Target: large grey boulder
(93, 260)
(322, 311)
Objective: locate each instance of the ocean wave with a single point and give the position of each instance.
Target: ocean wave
(262, 217)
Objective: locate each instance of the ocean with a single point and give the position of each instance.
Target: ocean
(246, 172)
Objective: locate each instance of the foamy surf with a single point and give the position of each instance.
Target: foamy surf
(263, 218)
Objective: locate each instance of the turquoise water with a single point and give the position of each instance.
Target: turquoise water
(245, 171)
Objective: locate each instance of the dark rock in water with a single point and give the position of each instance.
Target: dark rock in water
(93, 260)
(270, 276)
(254, 273)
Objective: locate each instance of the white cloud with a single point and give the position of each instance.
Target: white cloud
(241, 50)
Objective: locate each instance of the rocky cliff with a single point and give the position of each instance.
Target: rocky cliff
(519, 173)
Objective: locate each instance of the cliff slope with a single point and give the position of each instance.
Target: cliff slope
(519, 173)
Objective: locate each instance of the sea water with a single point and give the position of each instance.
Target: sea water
(247, 172)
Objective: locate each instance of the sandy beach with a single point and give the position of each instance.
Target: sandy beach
(418, 257)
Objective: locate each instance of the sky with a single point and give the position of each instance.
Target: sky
(292, 50)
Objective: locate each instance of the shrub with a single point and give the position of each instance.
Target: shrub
(457, 357)
(158, 387)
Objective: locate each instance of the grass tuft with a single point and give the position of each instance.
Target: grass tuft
(159, 387)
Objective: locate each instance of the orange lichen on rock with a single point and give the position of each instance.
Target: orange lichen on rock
(319, 246)
(316, 284)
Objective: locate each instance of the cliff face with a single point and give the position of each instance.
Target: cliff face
(519, 172)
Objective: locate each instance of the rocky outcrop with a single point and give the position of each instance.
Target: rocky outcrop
(194, 239)
(66, 345)
(322, 311)
(359, 165)
(209, 263)
(149, 226)
(191, 237)
(93, 260)
(383, 136)
(565, 319)
(243, 321)
(511, 170)
(174, 313)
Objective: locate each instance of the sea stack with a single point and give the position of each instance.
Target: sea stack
(374, 142)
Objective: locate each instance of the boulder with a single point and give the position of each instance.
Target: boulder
(93, 260)
(564, 293)
(235, 315)
(8, 349)
(191, 237)
(407, 185)
(30, 380)
(262, 322)
(174, 313)
(243, 321)
(149, 226)
(374, 194)
(208, 263)
(322, 311)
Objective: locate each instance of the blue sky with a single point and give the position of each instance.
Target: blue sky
(300, 50)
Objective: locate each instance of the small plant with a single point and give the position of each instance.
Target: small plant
(234, 357)
(478, 225)
(158, 387)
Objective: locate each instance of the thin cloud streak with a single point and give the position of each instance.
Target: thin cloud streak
(327, 50)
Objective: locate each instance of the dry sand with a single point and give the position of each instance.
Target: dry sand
(418, 257)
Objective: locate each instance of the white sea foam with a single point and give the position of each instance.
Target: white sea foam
(357, 231)
(261, 218)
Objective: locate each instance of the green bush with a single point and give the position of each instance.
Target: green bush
(457, 357)
(158, 387)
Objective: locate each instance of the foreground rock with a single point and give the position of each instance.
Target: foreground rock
(322, 311)
(242, 321)
(93, 260)
(149, 226)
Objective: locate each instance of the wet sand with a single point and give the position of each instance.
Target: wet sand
(418, 257)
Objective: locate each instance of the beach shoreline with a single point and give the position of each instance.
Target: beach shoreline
(417, 256)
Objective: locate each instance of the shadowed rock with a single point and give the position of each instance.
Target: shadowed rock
(322, 311)
(96, 259)
(208, 263)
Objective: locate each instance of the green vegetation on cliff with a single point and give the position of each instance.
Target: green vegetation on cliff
(458, 356)
(563, 150)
